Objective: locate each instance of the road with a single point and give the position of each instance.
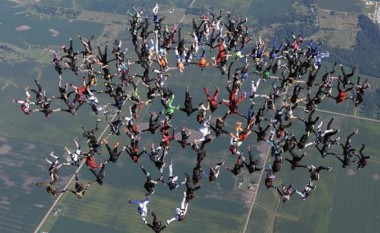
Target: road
(266, 157)
(81, 165)
(66, 187)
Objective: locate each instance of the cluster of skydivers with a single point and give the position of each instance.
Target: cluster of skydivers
(285, 65)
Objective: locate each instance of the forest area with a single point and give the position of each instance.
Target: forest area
(364, 53)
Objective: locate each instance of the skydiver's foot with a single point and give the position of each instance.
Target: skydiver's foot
(221, 163)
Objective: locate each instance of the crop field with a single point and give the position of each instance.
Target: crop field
(340, 5)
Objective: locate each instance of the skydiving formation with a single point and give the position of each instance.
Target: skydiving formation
(282, 81)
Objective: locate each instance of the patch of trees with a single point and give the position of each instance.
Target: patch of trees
(365, 53)
(55, 11)
(6, 48)
(293, 21)
(308, 3)
(370, 107)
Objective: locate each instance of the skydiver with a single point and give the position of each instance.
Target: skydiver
(75, 157)
(190, 190)
(285, 192)
(113, 153)
(54, 166)
(180, 212)
(172, 182)
(185, 135)
(149, 184)
(50, 187)
(80, 189)
(100, 176)
(314, 172)
(237, 167)
(188, 108)
(142, 208)
(306, 190)
(294, 162)
(153, 123)
(253, 164)
(156, 225)
(214, 172)
(25, 104)
(362, 158)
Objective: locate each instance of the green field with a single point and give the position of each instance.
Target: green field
(340, 195)
(340, 5)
